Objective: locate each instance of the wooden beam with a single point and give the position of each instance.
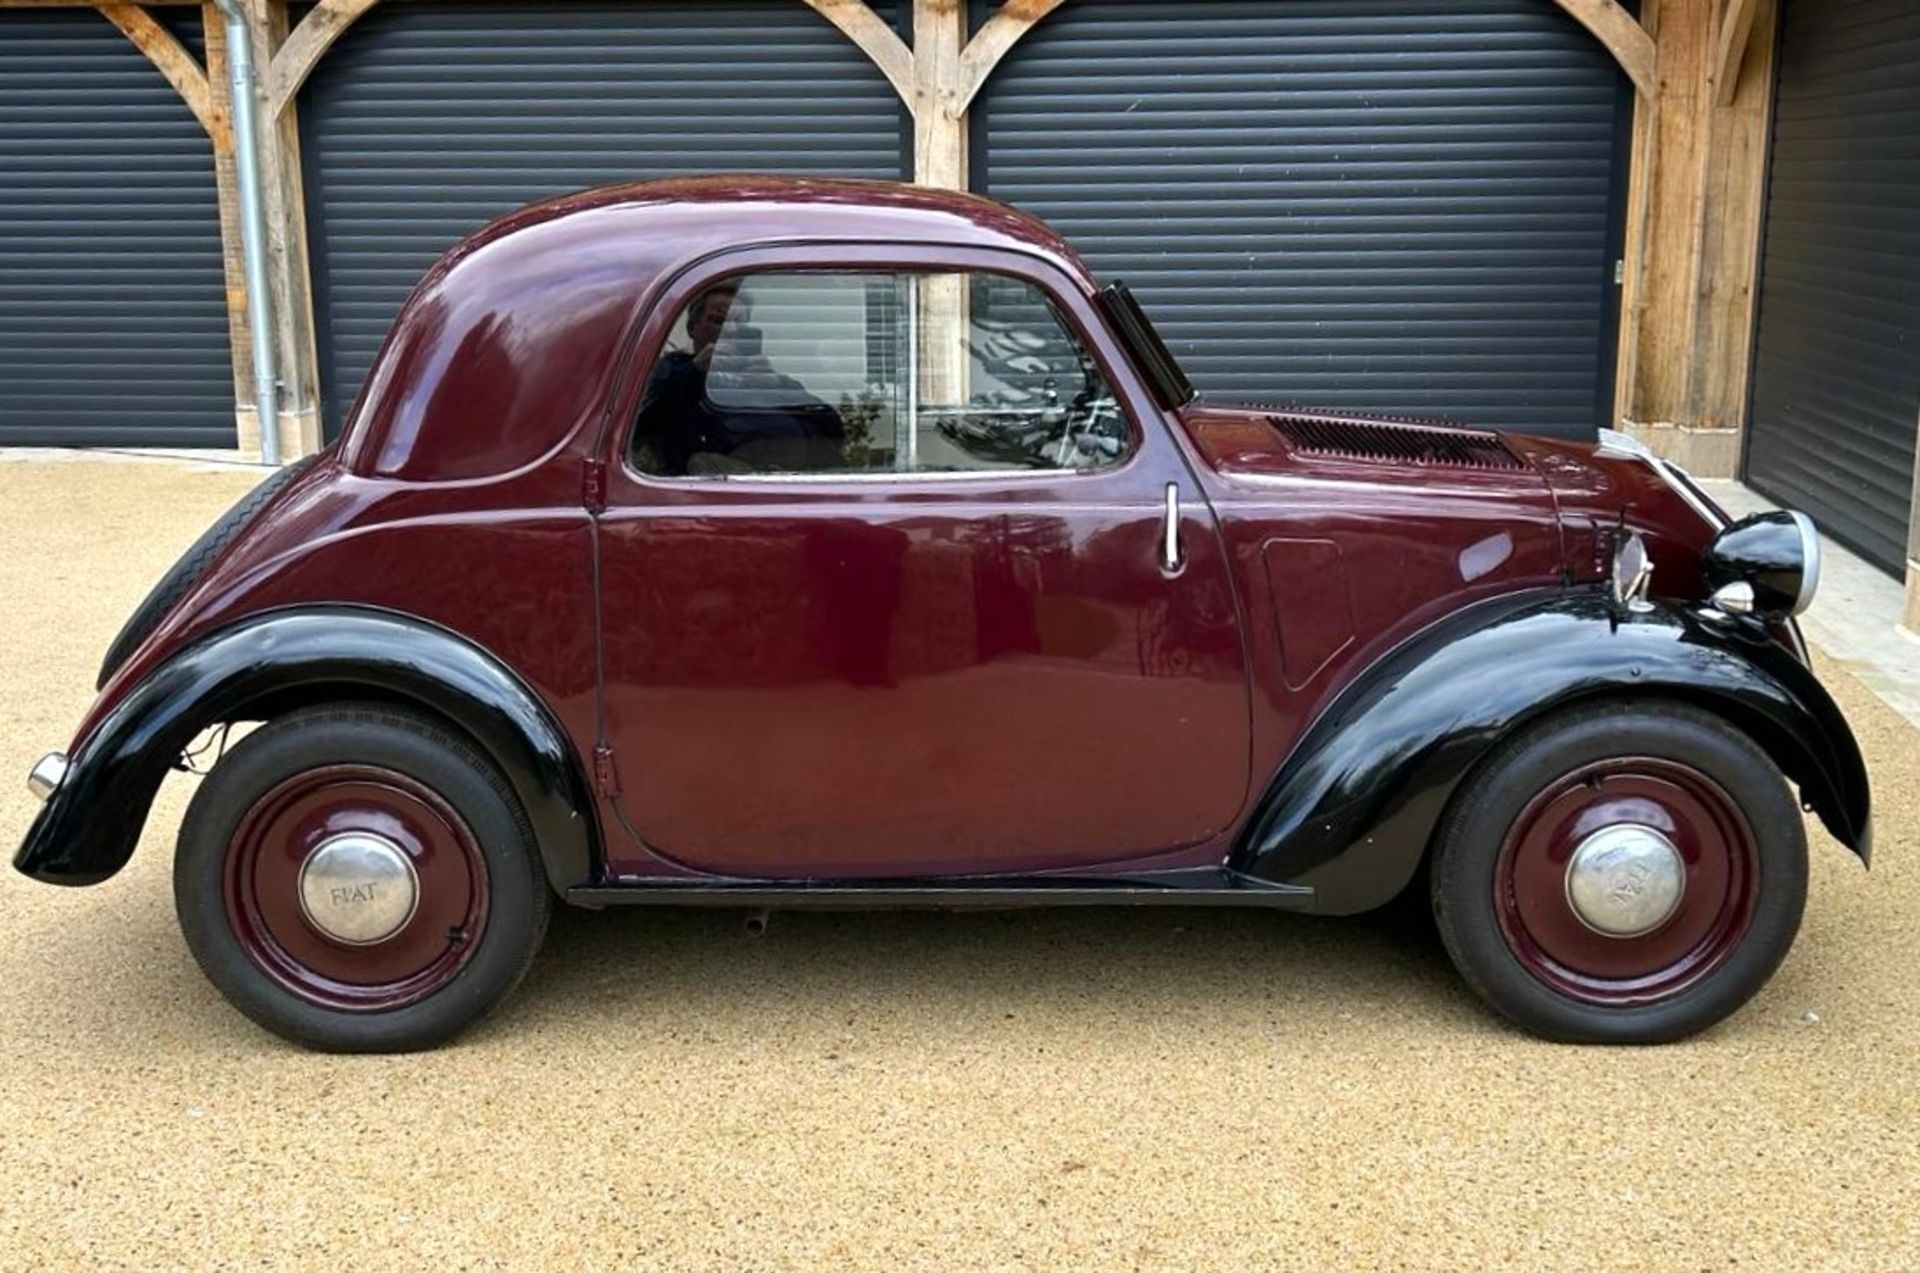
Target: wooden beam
(304, 48)
(171, 59)
(1623, 37)
(992, 41)
(1736, 32)
(878, 40)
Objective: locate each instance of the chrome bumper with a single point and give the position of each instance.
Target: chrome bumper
(47, 774)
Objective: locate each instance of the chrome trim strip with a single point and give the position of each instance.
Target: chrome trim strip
(1261, 479)
(1683, 487)
(1623, 444)
(1618, 443)
(897, 476)
(912, 448)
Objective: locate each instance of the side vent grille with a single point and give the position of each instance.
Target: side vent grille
(1351, 438)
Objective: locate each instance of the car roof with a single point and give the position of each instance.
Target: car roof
(744, 209)
(507, 343)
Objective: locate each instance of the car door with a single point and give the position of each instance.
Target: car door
(888, 588)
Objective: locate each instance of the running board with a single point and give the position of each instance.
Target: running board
(1182, 888)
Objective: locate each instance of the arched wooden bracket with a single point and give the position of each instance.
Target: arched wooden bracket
(1736, 32)
(991, 43)
(1623, 37)
(909, 74)
(171, 59)
(307, 43)
(879, 41)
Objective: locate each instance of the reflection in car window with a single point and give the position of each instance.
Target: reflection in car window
(828, 373)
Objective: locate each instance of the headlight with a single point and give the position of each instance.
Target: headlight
(1767, 564)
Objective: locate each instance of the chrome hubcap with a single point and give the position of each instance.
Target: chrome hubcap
(1625, 880)
(358, 888)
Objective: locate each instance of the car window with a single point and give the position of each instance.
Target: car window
(838, 373)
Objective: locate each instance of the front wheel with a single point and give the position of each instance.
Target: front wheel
(359, 879)
(1630, 873)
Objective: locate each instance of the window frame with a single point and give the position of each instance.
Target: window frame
(663, 309)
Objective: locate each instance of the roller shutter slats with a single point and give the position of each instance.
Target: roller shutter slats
(426, 121)
(1836, 390)
(113, 321)
(1353, 203)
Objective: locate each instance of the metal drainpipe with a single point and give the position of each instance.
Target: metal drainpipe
(253, 224)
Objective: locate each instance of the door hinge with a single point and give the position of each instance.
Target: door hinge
(594, 486)
(605, 776)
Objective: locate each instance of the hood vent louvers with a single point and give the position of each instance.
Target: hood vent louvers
(1350, 437)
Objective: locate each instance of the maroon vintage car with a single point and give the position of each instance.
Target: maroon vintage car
(784, 543)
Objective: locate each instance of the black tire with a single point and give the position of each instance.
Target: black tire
(193, 563)
(1472, 866)
(509, 891)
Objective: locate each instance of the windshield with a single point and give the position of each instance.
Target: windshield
(1150, 353)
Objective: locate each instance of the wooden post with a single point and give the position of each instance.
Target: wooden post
(1694, 212)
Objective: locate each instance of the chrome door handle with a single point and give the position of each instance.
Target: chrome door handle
(1170, 559)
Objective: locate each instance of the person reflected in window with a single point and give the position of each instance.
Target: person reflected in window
(675, 422)
(719, 407)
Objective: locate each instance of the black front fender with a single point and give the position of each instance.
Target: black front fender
(87, 830)
(1353, 808)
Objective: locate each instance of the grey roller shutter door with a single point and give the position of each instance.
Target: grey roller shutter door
(1406, 207)
(113, 319)
(425, 121)
(1836, 390)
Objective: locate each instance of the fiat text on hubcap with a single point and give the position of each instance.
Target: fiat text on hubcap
(1625, 880)
(358, 888)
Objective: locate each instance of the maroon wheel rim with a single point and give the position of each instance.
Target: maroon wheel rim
(1714, 911)
(262, 888)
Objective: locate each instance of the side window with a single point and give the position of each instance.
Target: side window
(804, 372)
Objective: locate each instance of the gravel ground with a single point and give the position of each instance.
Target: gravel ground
(1142, 1088)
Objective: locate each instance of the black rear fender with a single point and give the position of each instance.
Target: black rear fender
(88, 829)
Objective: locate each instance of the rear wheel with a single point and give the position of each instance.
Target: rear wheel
(359, 879)
(1625, 874)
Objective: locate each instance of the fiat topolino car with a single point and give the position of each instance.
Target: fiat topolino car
(781, 543)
